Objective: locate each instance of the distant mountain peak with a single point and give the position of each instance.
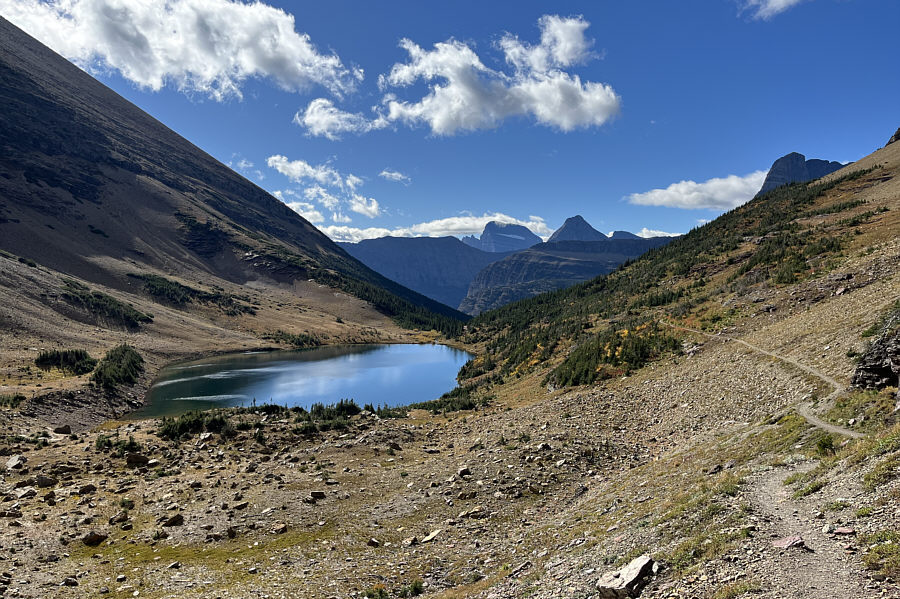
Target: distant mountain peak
(576, 229)
(795, 168)
(623, 235)
(502, 237)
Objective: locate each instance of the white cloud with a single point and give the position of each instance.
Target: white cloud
(299, 171)
(766, 9)
(307, 211)
(466, 95)
(454, 225)
(339, 217)
(353, 182)
(395, 176)
(321, 195)
(562, 44)
(323, 118)
(209, 47)
(365, 206)
(645, 232)
(722, 193)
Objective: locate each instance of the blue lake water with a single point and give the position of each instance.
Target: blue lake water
(392, 375)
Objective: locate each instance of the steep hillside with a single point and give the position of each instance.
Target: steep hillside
(795, 168)
(113, 227)
(438, 267)
(549, 266)
(502, 237)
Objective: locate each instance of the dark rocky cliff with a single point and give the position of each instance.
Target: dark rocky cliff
(795, 168)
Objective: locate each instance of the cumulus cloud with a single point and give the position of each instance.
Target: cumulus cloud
(209, 47)
(395, 176)
(323, 118)
(766, 9)
(321, 195)
(720, 193)
(454, 225)
(466, 95)
(365, 206)
(328, 187)
(300, 171)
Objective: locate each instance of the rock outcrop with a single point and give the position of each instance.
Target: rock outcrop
(879, 366)
(795, 168)
(894, 137)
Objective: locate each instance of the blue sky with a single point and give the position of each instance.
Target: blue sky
(418, 118)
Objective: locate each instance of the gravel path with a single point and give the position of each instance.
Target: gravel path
(804, 409)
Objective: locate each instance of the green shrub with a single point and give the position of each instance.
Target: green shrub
(121, 365)
(11, 401)
(103, 306)
(75, 361)
(296, 340)
(195, 422)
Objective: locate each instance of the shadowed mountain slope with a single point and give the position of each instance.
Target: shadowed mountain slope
(94, 187)
(548, 267)
(438, 267)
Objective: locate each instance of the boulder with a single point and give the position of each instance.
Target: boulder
(176, 520)
(63, 430)
(136, 459)
(16, 462)
(94, 538)
(45, 481)
(627, 582)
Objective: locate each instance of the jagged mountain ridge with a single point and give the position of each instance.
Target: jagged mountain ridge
(93, 186)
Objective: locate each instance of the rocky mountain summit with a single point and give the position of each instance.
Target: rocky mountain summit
(795, 168)
(576, 229)
(502, 237)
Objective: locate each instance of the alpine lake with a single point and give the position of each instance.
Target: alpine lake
(387, 375)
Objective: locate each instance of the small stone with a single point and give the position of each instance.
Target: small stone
(788, 542)
(69, 582)
(373, 542)
(431, 536)
(174, 566)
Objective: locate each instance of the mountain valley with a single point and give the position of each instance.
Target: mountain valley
(712, 415)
